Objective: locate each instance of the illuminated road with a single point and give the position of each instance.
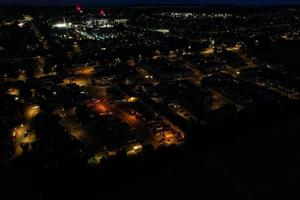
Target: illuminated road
(82, 76)
(137, 124)
(22, 133)
(226, 100)
(73, 126)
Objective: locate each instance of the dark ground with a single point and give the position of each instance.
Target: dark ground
(261, 164)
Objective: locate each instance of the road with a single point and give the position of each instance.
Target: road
(23, 133)
(103, 107)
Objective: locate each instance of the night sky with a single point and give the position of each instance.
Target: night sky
(116, 2)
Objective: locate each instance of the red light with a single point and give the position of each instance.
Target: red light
(102, 12)
(78, 8)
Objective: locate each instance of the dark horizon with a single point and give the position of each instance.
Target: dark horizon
(148, 2)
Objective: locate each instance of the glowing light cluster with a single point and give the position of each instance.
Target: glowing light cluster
(102, 12)
(78, 8)
(60, 25)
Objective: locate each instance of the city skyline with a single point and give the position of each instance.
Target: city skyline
(141, 101)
